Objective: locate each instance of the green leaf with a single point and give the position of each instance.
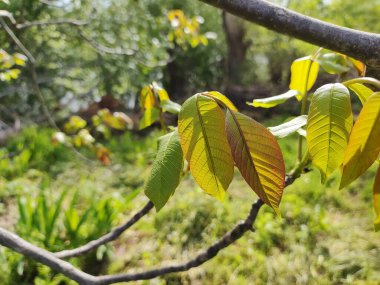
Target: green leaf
(166, 170)
(289, 127)
(364, 142)
(273, 101)
(362, 91)
(204, 144)
(333, 63)
(304, 73)
(258, 157)
(219, 96)
(150, 116)
(170, 106)
(376, 200)
(328, 127)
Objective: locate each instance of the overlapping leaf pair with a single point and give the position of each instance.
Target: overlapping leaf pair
(214, 136)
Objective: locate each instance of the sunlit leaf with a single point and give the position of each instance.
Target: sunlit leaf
(289, 127)
(333, 63)
(19, 59)
(358, 65)
(147, 99)
(150, 116)
(273, 101)
(166, 170)
(376, 200)
(74, 124)
(170, 106)
(362, 91)
(222, 98)
(304, 72)
(258, 157)
(328, 127)
(204, 144)
(364, 143)
(161, 92)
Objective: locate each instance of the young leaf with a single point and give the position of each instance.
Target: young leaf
(170, 106)
(328, 127)
(150, 116)
(288, 128)
(204, 144)
(362, 91)
(258, 157)
(166, 170)
(147, 99)
(273, 101)
(333, 63)
(376, 200)
(364, 143)
(358, 65)
(220, 97)
(304, 72)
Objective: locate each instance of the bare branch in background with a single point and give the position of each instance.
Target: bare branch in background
(71, 22)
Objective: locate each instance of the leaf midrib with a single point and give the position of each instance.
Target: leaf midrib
(208, 149)
(249, 154)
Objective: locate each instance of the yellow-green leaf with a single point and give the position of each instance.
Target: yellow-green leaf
(221, 97)
(204, 144)
(150, 116)
(289, 127)
(304, 72)
(364, 142)
(258, 157)
(166, 170)
(147, 99)
(273, 101)
(170, 106)
(362, 91)
(376, 200)
(328, 127)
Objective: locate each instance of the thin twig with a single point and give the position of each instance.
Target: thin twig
(72, 22)
(112, 235)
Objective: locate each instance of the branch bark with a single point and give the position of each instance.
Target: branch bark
(360, 45)
(112, 235)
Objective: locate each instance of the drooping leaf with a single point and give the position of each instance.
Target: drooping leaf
(258, 157)
(273, 101)
(364, 143)
(221, 97)
(362, 91)
(147, 98)
(304, 72)
(170, 106)
(328, 127)
(150, 116)
(376, 200)
(333, 63)
(166, 170)
(204, 144)
(161, 92)
(289, 127)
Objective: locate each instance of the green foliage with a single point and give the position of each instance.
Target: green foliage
(166, 170)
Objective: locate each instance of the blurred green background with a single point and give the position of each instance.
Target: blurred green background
(58, 197)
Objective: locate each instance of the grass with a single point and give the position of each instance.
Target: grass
(325, 236)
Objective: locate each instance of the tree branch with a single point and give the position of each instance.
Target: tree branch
(27, 249)
(360, 45)
(19, 245)
(237, 232)
(112, 235)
